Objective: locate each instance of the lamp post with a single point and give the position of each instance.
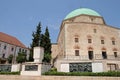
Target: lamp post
(14, 56)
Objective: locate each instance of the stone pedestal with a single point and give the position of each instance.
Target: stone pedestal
(38, 54)
(35, 68)
(31, 69)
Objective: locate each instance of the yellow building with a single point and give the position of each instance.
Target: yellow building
(86, 43)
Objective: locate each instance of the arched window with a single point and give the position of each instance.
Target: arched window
(104, 53)
(90, 53)
(115, 52)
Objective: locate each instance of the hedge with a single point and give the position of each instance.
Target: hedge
(10, 73)
(110, 73)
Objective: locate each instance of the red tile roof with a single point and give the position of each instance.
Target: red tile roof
(11, 40)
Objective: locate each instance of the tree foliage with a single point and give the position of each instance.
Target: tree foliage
(36, 40)
(10, 58)
(21, 57)
(46, 43)
(42, 40)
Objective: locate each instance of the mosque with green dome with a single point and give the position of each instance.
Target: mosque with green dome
(86, 44)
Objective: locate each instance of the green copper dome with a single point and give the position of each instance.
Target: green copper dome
(82, 11)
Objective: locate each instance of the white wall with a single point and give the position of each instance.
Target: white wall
(64, 67)
(97, 67)
(15, 67)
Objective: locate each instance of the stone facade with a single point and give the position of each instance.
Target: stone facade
(86, 38)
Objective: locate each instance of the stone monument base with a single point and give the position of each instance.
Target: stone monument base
(34, 69)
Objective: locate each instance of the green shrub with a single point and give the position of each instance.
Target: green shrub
(111, 73)
(53, 70)
(10, 73)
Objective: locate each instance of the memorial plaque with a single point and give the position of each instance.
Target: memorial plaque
(80, 67)
(31, 67)
(5, 68)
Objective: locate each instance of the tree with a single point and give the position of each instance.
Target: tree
(46, 43)
(36, 40)
(21, 57)
(10, 58)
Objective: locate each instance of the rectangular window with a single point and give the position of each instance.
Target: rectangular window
(22, 50)
(90, 55)
(102, 42)
(89, 41)
(5, 47)
(19, 49)
(95, 30)
(115, 54)
(12, 49)
(76, 40)
(113, 42)
(112, 67)
(3, 56)
(76, 52)
(104, 54)
(25, 51)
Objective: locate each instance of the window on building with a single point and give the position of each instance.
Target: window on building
(104, 54)
(5, 47)
(92, 19)
(95, 31)
(89, 40)
(3, 56)
(102, 42)
(115, 54)
(90, 55)
(76, 52)
(20, 50)
(25, 51)
(12, 49)
(112, 67)
(113, 42)
(76, 40)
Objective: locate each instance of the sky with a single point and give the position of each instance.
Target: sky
(19, 18)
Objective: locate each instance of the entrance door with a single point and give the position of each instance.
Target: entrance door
(104, 54)
(90, 55)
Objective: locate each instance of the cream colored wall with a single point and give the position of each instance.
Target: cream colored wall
(54, 50)
(83, 26)
(85, 29)
(61, 42)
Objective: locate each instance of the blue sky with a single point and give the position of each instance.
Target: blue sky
(19, 18)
